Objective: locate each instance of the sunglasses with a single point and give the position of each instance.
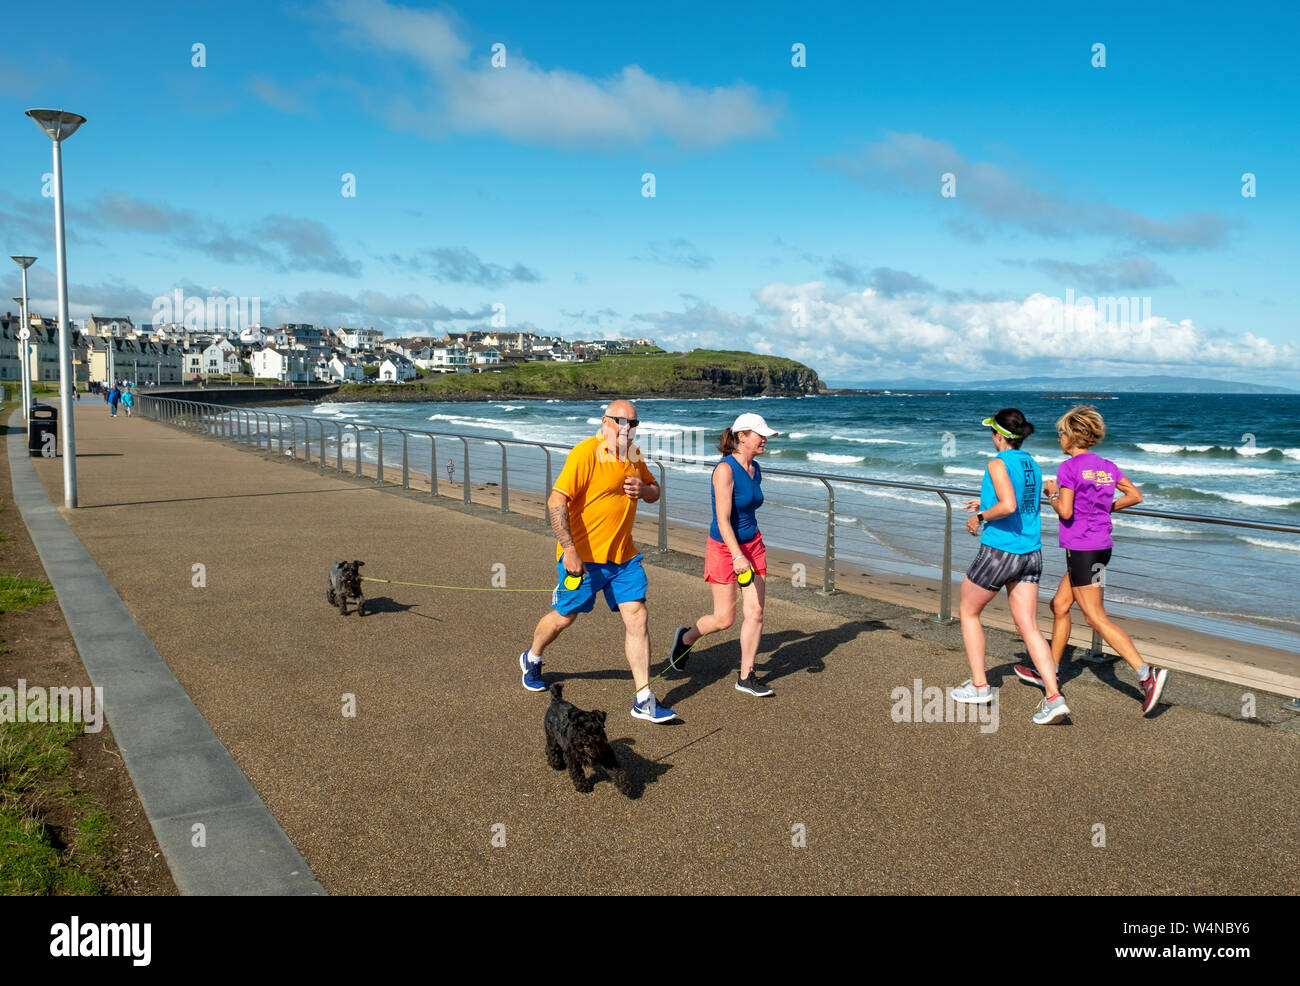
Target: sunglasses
(630, 422)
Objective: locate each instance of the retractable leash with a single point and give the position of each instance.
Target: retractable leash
(466, 588)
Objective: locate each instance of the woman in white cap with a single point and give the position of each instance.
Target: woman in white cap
(734, 553)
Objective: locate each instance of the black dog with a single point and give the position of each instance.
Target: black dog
(576, 739)
(345, 584)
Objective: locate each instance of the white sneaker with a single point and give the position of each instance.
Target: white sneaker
(970, 695)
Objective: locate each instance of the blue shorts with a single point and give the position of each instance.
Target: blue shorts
(625, 583)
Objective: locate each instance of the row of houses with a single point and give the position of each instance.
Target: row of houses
(112, 348)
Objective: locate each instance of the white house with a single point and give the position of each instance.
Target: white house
(221, 357)
(277, 365)
(450, 357)
(484, 355)
(346, 370)
(396, 369)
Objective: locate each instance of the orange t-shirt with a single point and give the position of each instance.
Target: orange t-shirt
(600, 513)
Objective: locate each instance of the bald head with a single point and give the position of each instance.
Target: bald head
(621, 409)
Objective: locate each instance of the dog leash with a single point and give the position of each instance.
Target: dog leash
(673, 663)
(466, 588)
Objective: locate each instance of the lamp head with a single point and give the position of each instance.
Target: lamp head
(23, 262)
(57, 124)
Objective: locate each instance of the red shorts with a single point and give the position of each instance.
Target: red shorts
(718, 564)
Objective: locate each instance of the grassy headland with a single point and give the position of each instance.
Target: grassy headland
(699, 373)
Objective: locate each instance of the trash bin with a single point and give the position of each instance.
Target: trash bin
(42, 430)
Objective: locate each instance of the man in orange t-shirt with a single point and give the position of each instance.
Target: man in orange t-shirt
(592, 508)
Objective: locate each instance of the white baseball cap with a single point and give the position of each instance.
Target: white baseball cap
(753, 422)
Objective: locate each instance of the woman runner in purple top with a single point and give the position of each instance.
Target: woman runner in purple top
(1083, 496)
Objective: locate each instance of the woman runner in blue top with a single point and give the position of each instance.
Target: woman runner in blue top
(734, 553)
(1010, 555)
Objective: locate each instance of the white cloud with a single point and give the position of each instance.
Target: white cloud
(856, 335)
(525, 102)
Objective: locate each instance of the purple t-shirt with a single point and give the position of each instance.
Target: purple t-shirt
(1093, 480)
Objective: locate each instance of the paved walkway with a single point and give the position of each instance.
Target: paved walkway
(445, 752)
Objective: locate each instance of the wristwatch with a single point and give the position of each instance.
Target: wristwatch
(980, 516)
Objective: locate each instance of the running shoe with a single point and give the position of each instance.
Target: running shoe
(969, 694)
(1152, 687)
(1051, 711)
(677, 657)
(752, 685)
(1030, 676)
(652, 711)
(532, 673)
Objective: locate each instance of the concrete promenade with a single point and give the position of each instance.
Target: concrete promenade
(444, 754)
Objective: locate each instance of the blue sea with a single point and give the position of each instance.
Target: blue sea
(1222, 456)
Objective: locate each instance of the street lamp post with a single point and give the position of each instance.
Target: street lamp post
(24, 263)
(23, 346)
(59, 126)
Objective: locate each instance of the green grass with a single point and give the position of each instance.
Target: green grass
(644, 373)
(19, 593)
(32, 755)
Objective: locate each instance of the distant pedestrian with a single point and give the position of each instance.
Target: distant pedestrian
(734, 551)
(451, 471)
(1011, 557)
(1083, 496)
(128, 400)
(114, 395)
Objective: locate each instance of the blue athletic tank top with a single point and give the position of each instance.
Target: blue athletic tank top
(746, 498)
(1021, 532)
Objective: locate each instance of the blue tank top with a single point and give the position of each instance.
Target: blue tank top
(746, 498)
(1020, 533)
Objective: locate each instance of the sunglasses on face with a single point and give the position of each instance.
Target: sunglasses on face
(630, 422)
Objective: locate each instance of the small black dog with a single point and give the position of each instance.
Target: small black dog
(345, 584)
(576, 739)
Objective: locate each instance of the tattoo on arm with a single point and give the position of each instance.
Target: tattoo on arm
(560, 525)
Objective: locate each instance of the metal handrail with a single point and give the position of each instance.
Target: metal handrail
(205, 417)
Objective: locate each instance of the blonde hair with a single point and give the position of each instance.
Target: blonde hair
(1082, 426)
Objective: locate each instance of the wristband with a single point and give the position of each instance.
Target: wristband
(737, 557)
(980, 517)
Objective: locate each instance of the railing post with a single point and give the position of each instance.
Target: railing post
(546, 493)
(828, 587)
(663, 507)
(1097, 653)
(280, 419)
(433, 466)
(505, 481)
(465, 481)
(379, 472)
(338, 443)
(945, 587)
(358, 455)
(406, 468)
(322, 444)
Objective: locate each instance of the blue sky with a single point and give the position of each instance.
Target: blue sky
(797, 210)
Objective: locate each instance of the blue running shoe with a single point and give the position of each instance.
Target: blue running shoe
(652, 711)
(532, 674)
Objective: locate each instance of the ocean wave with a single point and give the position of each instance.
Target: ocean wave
(839, 459)
(510, 407)
(1196, 469)
(1158, 449)
(797, 434)
(1275, 545)
(867, 441)
(467, 422)
(962, 471)
(1252, 499)
(1151, 524)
